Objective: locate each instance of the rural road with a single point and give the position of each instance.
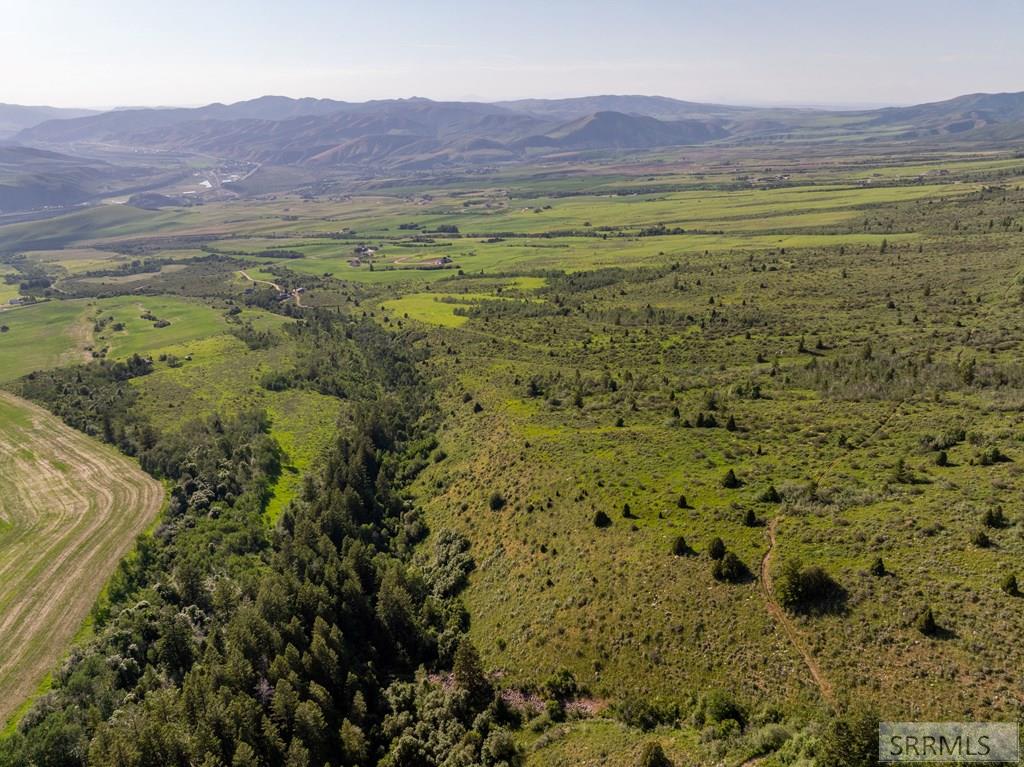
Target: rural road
(70, 509)
(294, 294)
(274, 285)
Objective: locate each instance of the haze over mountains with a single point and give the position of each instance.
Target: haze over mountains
(421, 132)
(15, 118)
(394, 136)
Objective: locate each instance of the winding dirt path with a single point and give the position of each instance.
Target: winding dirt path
(295, 294)
(776, 610)
(274, 285)
(70, 509)
(780, 617)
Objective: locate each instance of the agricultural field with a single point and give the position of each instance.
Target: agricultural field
(704, 433)
(70, 510)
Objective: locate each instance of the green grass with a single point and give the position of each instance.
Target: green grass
(190, 320)
(41, 336)
(428, 308)
(223, 376)
(303, 423)
(850, 250)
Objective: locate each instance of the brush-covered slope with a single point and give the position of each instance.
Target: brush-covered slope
(615, 130)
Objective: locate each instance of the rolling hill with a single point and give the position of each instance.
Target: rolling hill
(32, 178)
(615, 130)
(659, 107)
(15, 118)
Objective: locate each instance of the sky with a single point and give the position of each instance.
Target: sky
(105, 53)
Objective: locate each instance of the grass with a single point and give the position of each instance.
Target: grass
(53, 333)
(430, 308)
(189, 321)
(41, 336)
(303, 423)
(606, 742)
(65, 532)
(223, 376)
(831, 304)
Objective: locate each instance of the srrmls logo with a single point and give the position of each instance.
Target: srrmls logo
(948, 742)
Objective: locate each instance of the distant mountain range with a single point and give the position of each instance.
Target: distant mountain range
(410, 133)
(321, 135)
(14, 118)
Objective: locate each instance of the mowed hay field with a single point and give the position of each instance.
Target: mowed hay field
(70, 509)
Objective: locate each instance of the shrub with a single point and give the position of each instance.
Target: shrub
(716, 706)
(555, 710)
(654, 756)
(716, 548)
(994, 517)
(771, 495)
(496, 502)
(1009, 585)
(646, 714)
(275, 380)
(449, 571)
(991, 456)
(730, 481)
(729, 569)
(850, 741)
(770, 739)
(801, 588)
(501, 749)
(925, 622)
(602, 520)
(561, 686)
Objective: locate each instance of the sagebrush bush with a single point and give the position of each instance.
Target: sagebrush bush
(716, 548)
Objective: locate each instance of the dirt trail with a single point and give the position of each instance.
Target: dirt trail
(296, 294)
(768, 586)
(71, 507)
(274, 285)
(780, 617)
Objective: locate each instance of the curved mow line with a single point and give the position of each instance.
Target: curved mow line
(67, 530)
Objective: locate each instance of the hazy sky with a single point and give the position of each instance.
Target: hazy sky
(116, 52)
